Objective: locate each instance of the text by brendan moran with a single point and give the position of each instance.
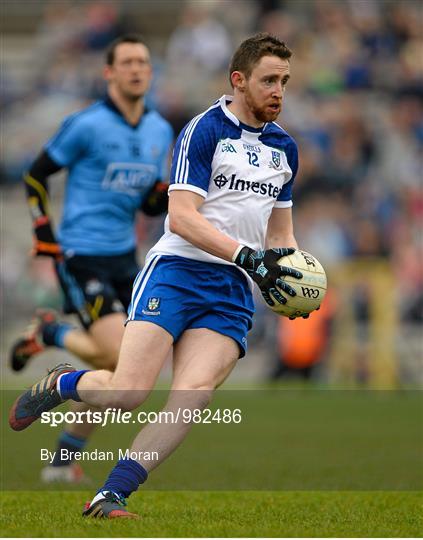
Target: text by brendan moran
(98, 455)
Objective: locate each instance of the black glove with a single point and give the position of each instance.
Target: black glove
(263, 268)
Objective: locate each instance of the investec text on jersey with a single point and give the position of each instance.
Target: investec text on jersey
(238, 184)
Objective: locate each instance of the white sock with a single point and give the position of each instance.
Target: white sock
(100, 495)
(58, 385)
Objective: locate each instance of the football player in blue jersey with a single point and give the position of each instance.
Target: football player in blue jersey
(116, 153)
(229, 214)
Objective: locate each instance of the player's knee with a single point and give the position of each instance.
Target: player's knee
(204, 395)
(193, 395)
(126, 399)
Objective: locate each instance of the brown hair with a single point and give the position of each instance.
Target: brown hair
(253, 49)
(127, 38)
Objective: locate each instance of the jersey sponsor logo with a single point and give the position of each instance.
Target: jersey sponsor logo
(220, 181)
(238, 184)
(130, 178)
(228, 147)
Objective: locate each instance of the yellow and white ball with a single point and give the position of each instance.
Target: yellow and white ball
(311, 289)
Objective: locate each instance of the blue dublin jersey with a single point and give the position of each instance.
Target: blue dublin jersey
(111, 168)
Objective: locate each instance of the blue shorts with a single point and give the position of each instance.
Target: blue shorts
(178, 294)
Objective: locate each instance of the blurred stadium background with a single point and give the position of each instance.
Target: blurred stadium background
(354, 105)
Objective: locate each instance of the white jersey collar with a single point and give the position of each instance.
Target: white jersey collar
(222, 101)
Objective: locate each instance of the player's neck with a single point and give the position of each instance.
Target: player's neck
(131, 110)
(244, 114)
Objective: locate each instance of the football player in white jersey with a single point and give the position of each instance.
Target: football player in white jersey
(229, 214)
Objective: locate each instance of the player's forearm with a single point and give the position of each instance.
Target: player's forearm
(276, 240)
(280, 229)
(198, 231)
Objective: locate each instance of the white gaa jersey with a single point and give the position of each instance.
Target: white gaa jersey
(242, 173)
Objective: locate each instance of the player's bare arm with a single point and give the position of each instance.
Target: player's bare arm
(280, 230)
(186, 221)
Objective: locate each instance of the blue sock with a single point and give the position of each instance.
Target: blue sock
(125, 477)
(68, 442)
(54, 333)
(67, 384)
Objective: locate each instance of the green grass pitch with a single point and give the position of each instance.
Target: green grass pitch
(300, 464)
(220, 514)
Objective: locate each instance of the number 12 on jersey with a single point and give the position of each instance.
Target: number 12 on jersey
(253, 159)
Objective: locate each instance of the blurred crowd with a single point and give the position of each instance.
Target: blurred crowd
(354, 104)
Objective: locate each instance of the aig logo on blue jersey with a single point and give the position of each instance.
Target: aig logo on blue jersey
(129, 178)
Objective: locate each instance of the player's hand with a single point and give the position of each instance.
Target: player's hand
(263, 268)
(45, 243)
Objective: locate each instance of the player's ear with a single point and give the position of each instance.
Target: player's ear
(107, 71)
(238, 80)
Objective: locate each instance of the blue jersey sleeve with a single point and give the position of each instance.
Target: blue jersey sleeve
(69, 142)
(285, 195)
(193, 155)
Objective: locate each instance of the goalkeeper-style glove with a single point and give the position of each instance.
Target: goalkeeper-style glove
(45, 243)
(263, 268)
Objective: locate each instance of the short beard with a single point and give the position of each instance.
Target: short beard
(260, 113)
